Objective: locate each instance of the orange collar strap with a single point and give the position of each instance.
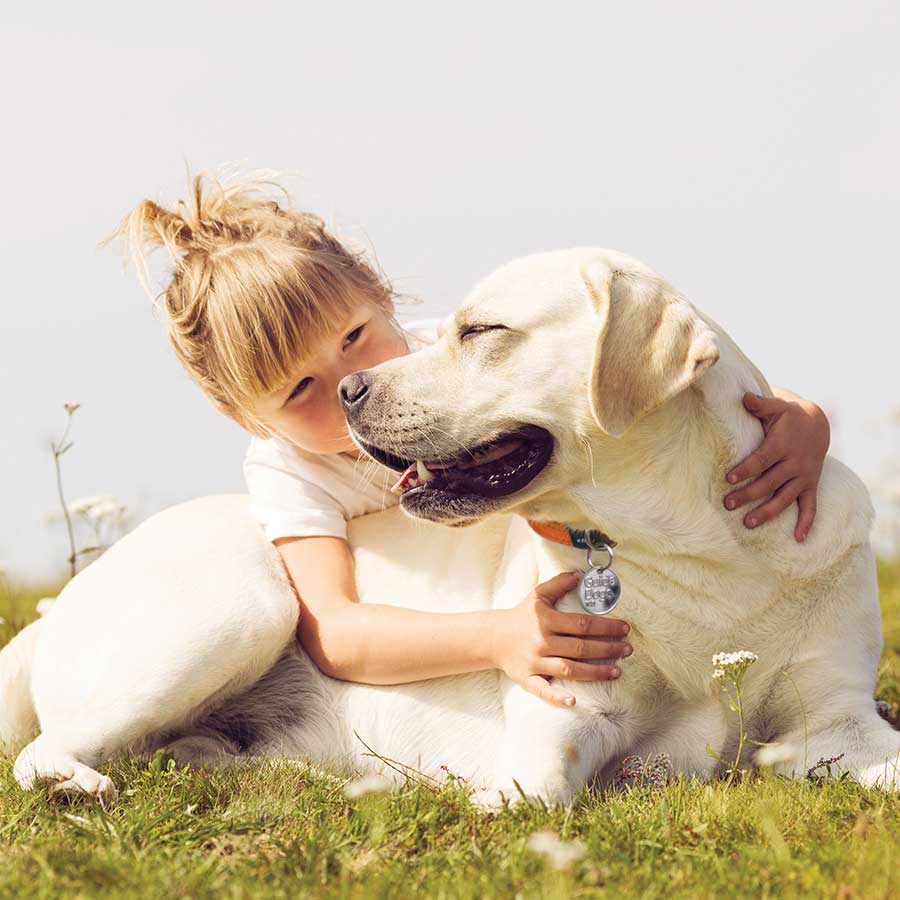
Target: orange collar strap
(571, 537)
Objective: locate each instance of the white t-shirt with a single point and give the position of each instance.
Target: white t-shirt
(298, 494)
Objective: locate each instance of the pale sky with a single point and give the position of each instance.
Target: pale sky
(749, 154)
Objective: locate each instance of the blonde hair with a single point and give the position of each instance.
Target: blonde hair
(255, 285)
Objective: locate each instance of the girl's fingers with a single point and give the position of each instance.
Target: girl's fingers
(761, 407)
(781, 500)
(553, 590)
(569, 670)
(766, 455)
(585, 625)
(542, 689)
(766, 484)
(807, 503)
(589, 648)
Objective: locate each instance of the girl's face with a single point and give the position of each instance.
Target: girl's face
(307, 411)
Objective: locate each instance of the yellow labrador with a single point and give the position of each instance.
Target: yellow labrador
(575, 389)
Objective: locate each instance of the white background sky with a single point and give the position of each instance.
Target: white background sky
(749, 154)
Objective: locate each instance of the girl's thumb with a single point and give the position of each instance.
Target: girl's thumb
(762, 405)
(751, 401)
(556, 588)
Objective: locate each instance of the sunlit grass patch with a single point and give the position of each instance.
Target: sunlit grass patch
(279, 829)
(282, 829)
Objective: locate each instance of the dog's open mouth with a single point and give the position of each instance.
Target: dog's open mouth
(495, 469)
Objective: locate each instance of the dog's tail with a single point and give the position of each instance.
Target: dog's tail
(18, 719)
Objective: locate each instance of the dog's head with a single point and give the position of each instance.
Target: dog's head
(547, 354)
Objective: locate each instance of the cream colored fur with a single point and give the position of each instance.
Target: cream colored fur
(183, 634)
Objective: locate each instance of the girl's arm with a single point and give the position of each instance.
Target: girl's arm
(788, 462)
(378, 644)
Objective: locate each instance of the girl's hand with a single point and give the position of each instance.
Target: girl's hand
(535, 641)
(787, 464)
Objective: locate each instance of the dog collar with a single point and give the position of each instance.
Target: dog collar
(571, 537)
(599, 587)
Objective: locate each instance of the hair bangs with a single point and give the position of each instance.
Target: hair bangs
(293, 307)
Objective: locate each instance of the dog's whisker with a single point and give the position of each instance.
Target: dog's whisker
(452, 437)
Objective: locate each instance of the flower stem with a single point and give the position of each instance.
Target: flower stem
(741, 735)
(58, 450)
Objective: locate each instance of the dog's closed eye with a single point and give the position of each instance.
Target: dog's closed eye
(473, 328)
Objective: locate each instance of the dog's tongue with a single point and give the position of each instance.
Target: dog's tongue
(420, 471)
(410, 472)
(417, 473)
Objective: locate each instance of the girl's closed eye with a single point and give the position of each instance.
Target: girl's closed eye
(302, 385)
(354, 335)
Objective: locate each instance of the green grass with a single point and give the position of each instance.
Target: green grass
(283, 830)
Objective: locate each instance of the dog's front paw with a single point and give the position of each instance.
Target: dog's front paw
(511, 794)
(493, 800)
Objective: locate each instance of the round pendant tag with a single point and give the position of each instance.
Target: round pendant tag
(599, 590)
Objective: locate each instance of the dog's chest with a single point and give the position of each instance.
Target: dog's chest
(684, 610)
(680, 621)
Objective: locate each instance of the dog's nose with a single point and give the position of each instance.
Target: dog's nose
(353, 388)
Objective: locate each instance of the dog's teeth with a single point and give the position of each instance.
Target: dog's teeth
(422, 471)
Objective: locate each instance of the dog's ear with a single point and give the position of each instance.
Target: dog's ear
(651, 344)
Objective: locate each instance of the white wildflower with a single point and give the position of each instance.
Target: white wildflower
(103, 508)
(366, 784)
(71, 406)
(737, 658)
(45, 605)
(560, 854)
(2, 620)
(732, 665)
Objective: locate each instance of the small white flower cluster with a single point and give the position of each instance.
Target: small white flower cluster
(104, 508)
(71, 406)
(366, 784)
(560, 854)
(732, 665)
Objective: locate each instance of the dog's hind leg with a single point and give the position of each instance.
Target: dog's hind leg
(42, 762)
(86, 719)
(18, 720)
(861, 744)
(135, 649)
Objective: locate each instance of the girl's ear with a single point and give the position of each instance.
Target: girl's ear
(245, 422)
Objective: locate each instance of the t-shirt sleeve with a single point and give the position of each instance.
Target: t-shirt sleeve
(288, 505)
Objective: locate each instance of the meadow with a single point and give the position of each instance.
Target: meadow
(284, 830)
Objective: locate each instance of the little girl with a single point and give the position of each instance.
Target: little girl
(268, 311)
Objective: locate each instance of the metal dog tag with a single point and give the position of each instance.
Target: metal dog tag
(599, 588)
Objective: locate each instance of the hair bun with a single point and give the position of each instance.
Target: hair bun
(213, 217)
